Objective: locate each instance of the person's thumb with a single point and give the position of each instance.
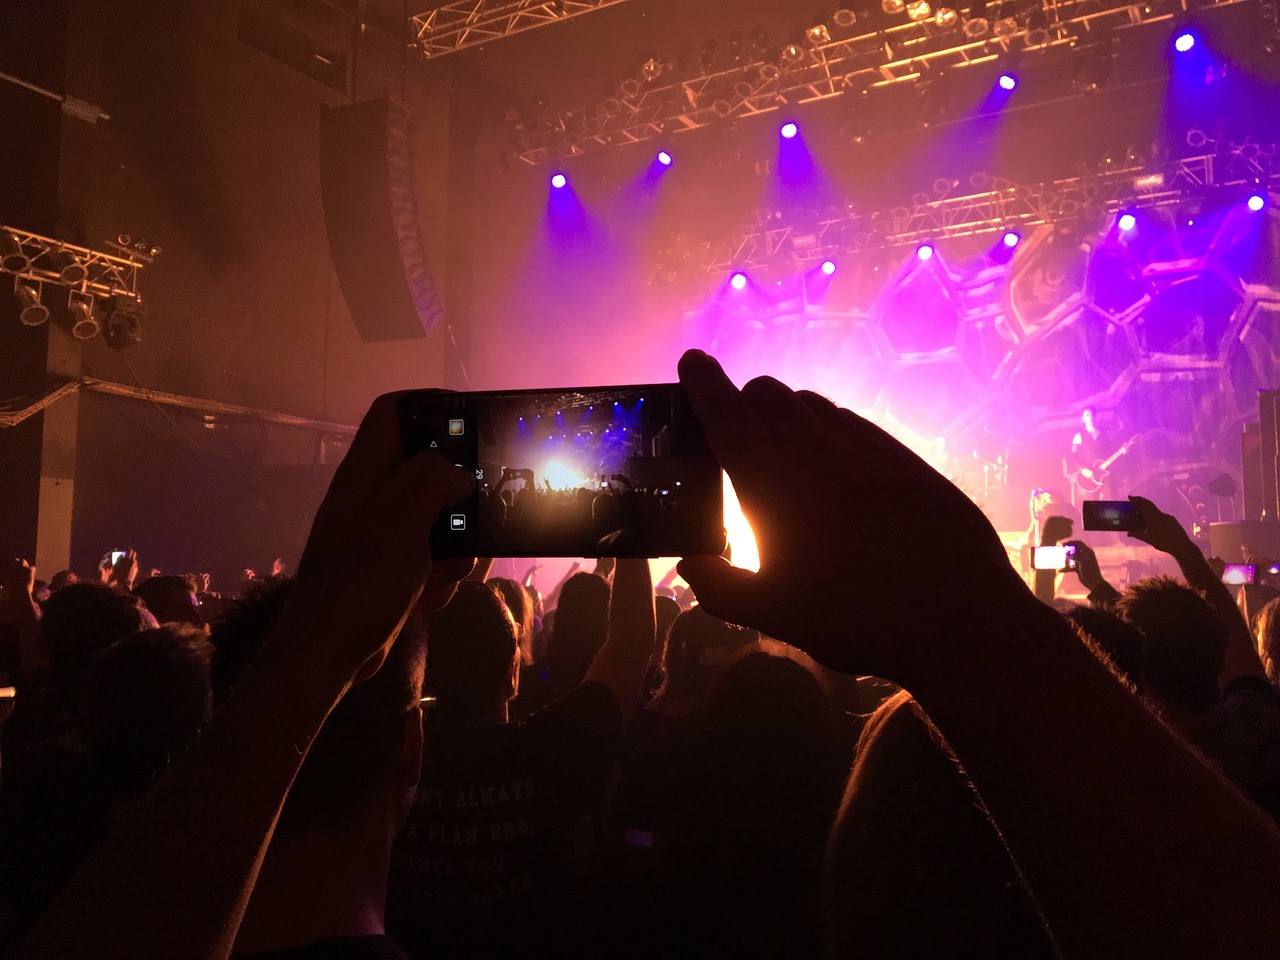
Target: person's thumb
(420, 488)
(728, 592)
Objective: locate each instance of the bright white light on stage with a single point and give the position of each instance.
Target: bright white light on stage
(561, 476)
(828, 267)
(1257, 202)
(742, 539)
(789, 130)
(1127, 222)
(738, 281)
(664, 158)
(1011, 239)
(1007, 81)
(1184, 41)
(925, 251)
(559, 180)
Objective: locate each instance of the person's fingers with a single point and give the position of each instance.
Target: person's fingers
(420, 488)
(732, 426)
(782, 412)
(724, 590)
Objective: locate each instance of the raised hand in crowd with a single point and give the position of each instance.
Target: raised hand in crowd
(1101, 593)
(19, 609)
(124, 571)
(1075, 771)
(173, 878)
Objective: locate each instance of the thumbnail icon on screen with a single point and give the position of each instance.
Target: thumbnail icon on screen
(455, 428)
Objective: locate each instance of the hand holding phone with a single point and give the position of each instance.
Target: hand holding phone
(1121, 516)
(1060, 558)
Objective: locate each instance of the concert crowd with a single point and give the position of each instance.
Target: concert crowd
(842, 755)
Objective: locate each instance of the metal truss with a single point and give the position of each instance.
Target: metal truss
(1005, 206)
(469, 23)
(646, 110)
(29, 256)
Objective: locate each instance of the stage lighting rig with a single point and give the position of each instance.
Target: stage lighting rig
(467, 23)
(32, 312)
(44, 261)
(895, 54)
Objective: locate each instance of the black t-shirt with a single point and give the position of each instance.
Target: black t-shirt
(484, 865)
(370, 947)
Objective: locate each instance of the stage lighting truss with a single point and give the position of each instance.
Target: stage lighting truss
(895, 54)
(469, 23)
(45, 261)
(1005, 207)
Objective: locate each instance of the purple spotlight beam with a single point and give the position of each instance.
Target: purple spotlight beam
(1007, 81)
(1185, 41)
(738, 281)
(1257, 202)
(559, 180)
(925, 251)
(789, 130)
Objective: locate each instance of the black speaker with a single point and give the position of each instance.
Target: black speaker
(371, 215)
(1251, 471)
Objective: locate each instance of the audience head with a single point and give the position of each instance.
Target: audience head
(63, 578)
(521, 607)
(1121, 642)
(1184, 644)
(171, 599)
(1267, 634)
(698, 646)
(473, 653)
(371, 743)
(40, 591)
(145, 698)
(581, 619)
(80, 621)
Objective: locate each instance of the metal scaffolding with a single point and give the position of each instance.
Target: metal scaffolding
(1005, 206)
(29, 256)
(469, 23)
(669, 104)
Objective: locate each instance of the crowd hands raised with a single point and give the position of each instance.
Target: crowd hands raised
(384, 756)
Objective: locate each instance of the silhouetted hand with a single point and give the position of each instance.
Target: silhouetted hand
(125, 570)
(367, 559)
(1087, 568)
(18, 578)
(1056, 529)
(1217, 565)
(818, 481)
(278, 567)
(1160, 529)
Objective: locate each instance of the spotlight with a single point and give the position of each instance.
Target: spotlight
(70, 270)
(892, 6)
(977, 28)
(12, 259)
(33, 312)
(919, 10)
(793, 53)
(1127, 222)
(1007, 81)
(1256, 202)
(817, 35)
(738, 281)
(789, 130)
(664, 158)
(1184, 41)
(828, 267)
(651, 69)
(559, 180)
(1011, 239)
(844, 17)
(123, 328)
(925, 251)
(946, 18)
(84, 325)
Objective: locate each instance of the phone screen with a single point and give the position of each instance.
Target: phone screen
(1119, 515)
(1054, 558)
(116, 556)
(581, 472)
(1239, 574)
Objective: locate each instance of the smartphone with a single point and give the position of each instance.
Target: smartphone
(1118, 515)
(538, 456)
(1061, 558)
(8, 693)
(1239, 574)
(116, 556)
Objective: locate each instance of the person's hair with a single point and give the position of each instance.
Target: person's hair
(81, 620)
(1267, 633)
(63, 578)
(471, 651)
(1184, 643)
(689, 664)
(168, 597)
(361, 734)
(145, 698)
(521, 607)
(1120, 642)
(581, 620)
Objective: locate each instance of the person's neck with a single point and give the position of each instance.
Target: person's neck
(316, 885)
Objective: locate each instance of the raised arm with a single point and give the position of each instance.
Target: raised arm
(621, 663)
(171, 880)
(20, 609)
(1101, 593)
(1165, 533)
(1132, 845)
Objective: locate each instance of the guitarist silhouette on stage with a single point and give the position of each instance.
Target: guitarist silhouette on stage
(1091, 458)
